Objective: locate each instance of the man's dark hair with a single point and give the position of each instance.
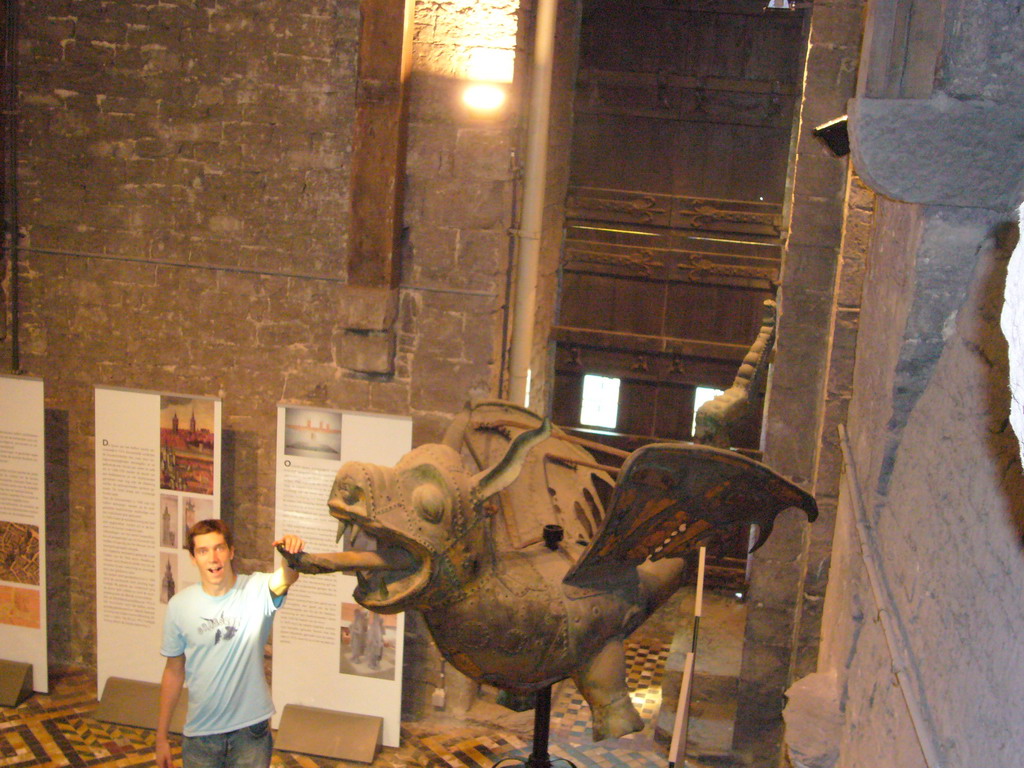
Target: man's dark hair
(209, 526)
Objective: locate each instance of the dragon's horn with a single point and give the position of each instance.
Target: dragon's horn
(504, 473)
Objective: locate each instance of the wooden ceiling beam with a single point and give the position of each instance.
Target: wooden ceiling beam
(378, 142)
(591, 75)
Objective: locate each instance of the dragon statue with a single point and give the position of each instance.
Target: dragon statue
(537, 563)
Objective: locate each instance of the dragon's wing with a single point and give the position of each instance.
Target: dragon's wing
(671, 496)
(558, 484)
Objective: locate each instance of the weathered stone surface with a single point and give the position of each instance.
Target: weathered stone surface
(830, 460)
(471, 204)
(366, 351)
(831, 71)
(940, 151)
(483, 153)
(765, 669)
(799, 408)
(816, 221)
(844, 350)
(365, 308)
(813, 267)
(813, 721)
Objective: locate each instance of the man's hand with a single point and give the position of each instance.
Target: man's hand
(163, 753)
(284, 576)
(291, 543)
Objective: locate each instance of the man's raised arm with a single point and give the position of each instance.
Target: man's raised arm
(284, 576)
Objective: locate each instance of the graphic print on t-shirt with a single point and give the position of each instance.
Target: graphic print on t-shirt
(224, 627)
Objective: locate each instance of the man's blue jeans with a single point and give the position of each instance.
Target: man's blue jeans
(248, 747)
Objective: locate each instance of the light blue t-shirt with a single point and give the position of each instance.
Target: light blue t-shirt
(222, 638)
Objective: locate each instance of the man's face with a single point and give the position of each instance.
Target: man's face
(213, 559)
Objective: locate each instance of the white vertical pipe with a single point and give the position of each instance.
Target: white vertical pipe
(682, 722)
(535, 179)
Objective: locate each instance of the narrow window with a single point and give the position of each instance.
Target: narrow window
(600, 401)
(700, 396)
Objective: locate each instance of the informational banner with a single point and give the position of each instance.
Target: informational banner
(22, 526)
(329, 652)
(157, 472)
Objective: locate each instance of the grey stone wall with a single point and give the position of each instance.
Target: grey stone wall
(936, 464)
(808, 388)
(184, 200)
(944, 495)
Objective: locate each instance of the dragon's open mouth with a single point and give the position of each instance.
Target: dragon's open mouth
(390, 567)
(390, 572)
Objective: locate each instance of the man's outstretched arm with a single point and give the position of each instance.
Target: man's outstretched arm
(170, 690)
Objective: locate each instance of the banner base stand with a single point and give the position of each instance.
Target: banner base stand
(326, 733)
(137, 704)
(15, 682)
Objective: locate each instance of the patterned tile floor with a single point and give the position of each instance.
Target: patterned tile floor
(56, 729)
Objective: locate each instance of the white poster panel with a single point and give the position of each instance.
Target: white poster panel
(328, 651)
(23, 526)
(157, 472)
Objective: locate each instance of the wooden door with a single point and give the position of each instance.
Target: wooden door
(674, 217)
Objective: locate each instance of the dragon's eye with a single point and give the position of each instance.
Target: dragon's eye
(430, 502)
(350, 492)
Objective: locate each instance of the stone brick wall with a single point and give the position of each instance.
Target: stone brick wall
(808, 390)
(937, 475)
(182, 205)
(184, 200)
(943, 494)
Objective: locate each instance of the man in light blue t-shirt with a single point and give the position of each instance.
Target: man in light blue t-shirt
(214, 634)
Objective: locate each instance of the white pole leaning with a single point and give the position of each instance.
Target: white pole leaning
(677, 750)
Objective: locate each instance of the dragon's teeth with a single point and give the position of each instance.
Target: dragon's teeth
(342, 529)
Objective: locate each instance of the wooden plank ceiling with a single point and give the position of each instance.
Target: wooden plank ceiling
(674, 217)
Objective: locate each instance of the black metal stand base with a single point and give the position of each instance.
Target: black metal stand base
(539, 758)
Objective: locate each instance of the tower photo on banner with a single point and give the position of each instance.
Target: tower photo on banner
(158, 470)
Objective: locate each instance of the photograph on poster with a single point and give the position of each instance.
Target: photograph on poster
(186, 444)
(367, 643)
(312, 433)
(19, 553)
(168, 576)
(196, 509)
(168, 520)
(20, 607)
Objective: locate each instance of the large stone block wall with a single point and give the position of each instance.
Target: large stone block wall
(808, 389)
(938, 485)
(182, 212)
(943, 494)
(183, 179)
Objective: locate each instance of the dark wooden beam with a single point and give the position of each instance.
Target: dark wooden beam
(593, 76)
(378, 142)
(643, 344)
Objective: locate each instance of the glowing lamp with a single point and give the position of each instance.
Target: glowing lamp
(483, 98)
